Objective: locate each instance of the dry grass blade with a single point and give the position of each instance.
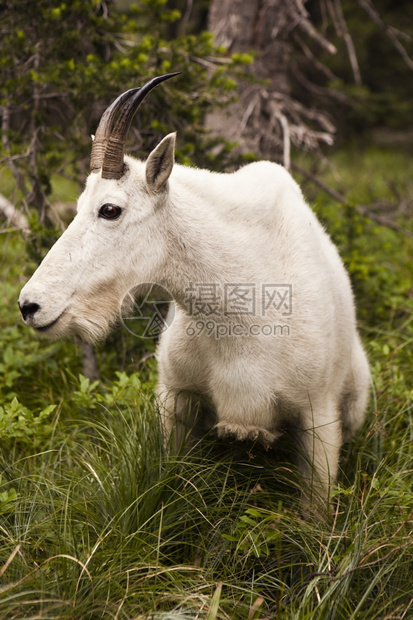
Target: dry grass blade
(9, 560)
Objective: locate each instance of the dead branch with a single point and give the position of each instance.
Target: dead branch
(320, 91)
(12, 215)
(392, 33)
(286, 140)
(247, 115)
(341, 28)
(312, 58)
(187, 14)
(5, 127)
(362, 209)
(307, 26)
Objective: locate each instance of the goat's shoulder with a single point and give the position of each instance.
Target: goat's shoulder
(259, 188)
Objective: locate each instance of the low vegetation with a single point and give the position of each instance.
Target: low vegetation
(97, 520)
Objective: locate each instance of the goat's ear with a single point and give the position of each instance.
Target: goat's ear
(160, 163)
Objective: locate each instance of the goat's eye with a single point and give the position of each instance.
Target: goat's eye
(110, 212)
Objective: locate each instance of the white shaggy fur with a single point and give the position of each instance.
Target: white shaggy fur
(182, 228)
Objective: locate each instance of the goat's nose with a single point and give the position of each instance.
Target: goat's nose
(28, 310)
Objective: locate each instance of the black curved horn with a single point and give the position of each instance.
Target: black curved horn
(104, 130)
(112, 165)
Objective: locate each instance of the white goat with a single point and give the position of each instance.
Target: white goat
(239, 253)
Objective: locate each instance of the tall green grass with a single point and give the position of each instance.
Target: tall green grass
(107, 525)
(98, 520)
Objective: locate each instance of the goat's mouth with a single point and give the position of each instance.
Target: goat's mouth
(45, 328)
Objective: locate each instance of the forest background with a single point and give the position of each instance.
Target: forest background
(96, 519)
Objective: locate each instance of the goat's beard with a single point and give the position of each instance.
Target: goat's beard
(93, 319)
(89, 318)
(93, 316)
(90, 329)
(87, 326)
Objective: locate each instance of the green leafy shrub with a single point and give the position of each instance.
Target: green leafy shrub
(18, 423)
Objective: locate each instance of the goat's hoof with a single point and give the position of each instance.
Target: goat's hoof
(246, 432)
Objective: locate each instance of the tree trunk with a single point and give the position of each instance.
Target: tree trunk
(90, 368)
(260, 25)
(266, 119)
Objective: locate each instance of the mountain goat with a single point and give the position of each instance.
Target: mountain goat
(264, 332)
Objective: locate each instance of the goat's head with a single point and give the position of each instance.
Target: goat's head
(114, 241)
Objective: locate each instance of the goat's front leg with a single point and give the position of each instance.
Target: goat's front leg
(181, 416)
(243, 412)
(320, 439)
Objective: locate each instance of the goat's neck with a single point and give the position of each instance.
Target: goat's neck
(200, 248)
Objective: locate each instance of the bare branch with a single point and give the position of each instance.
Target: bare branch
(314, 61)
(362, 209)
(305, 24)
(37, 195)
(186, 16)
(321, 91)
(287, 143)
(247, 114)
(299, 111)
(349, 42)
(12, 215)
(5, 127)
(390, 32)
